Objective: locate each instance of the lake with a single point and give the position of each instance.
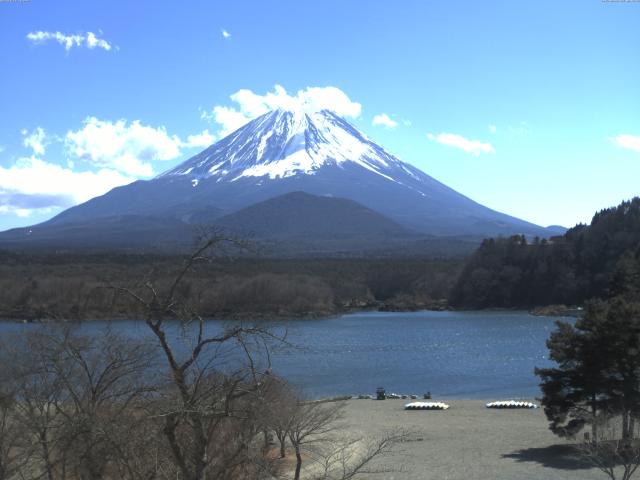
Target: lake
(450, 354)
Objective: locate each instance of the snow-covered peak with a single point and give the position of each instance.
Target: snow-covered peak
(289, 142)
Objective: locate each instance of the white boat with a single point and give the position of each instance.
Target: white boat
(426, 406)
(511, 404)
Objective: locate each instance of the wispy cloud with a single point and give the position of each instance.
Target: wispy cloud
(126, 147)
(35, 140)
(252, 105)
(225, 34)
(89, 40)
(384, 120)
(474, 147)
(202, 139)
(33, 184)
(493, 128)
(629, 142)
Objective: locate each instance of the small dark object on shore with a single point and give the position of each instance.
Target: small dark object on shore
(427, 396)
(380, 393)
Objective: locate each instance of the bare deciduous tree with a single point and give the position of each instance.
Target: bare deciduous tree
(312, 423)
(15, 450)
(346, 459)
(617, 456)
(41, 393)
(280, 403)
(103, 378)
(76, 398)
(207, 415)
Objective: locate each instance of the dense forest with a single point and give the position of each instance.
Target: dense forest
(78, 287)
(600, 260)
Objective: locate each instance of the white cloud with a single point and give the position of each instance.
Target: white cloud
(225, 34)
(252, 105)
(202, 139)
(384, 120)
(116, 153)
(125, 148)
(22, 212)
(35, 141)
(93, 42)
(32, 184)
(228, 118)
(474, 147)
(89, 40)
(329, 98)
(630, 142)
(493, 128)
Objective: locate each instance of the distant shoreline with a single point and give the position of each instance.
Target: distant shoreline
(440, 306)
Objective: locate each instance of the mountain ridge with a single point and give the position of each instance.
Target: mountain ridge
(287, 151)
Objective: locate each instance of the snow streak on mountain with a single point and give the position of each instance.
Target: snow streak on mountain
(284, 143)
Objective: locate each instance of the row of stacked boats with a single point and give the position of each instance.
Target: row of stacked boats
(510, 404)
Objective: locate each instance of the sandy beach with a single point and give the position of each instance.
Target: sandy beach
(468, 441)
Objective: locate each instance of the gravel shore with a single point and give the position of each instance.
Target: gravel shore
(468, 441)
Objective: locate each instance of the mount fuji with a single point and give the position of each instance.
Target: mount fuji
(281, 152)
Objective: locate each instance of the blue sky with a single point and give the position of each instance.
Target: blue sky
(531, 108)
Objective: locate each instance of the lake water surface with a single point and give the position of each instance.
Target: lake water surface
(450, 354)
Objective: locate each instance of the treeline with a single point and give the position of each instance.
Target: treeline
(80, 287)
(600, 260)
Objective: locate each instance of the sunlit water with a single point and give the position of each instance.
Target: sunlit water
(450, 354)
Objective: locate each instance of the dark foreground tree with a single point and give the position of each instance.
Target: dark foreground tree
(598, 370)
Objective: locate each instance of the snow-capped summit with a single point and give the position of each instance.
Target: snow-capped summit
(285, 143)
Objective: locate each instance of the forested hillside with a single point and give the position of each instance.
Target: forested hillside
(79, 287)
(599, 260)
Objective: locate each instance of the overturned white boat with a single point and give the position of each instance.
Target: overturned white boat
(511, 404)
(426, 406)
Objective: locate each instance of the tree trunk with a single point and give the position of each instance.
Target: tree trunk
(283, 451)
(625, 425)
(298, 462)
(200, 449)
(47, 461)
(594, 420)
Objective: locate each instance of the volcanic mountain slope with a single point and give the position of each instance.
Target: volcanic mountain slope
(295, 224)
(288, 151)
(299, 223)
(301, 215)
